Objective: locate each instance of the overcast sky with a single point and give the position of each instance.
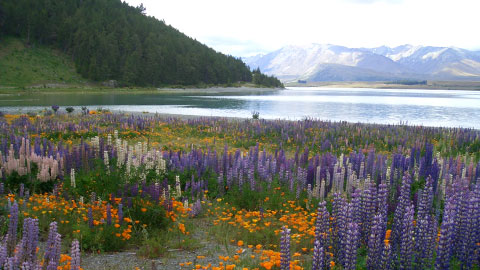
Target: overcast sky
(249, 27)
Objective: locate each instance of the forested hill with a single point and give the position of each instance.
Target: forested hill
(108, 39)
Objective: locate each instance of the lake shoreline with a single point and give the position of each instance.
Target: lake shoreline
(440, 108)
(184, 117)
(430, 85)
(134, 90)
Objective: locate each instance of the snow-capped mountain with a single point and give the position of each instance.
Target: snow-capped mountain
(319, 62)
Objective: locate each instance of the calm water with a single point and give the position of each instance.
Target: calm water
(450, 108)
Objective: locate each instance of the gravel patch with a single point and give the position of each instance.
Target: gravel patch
(130, 260)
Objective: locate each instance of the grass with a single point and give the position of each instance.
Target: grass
(37, 68)
(34, 65)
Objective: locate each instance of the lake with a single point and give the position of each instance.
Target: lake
(447, 108)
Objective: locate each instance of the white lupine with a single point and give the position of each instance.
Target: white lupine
(120, 156)
(95, 143)
(81, 199)
(322, 190)
(145, 147)
(115, 134)
(163, 165)
(106, 161)
(178, 188)
(72, 178)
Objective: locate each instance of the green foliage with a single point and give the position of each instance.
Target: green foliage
(154, 216)
(110, 40)
(408, 82)
(264, 80)
(13, 181)
(101, 183)
(159, 245)
(69, 109)
(246, 198)
(22, 65)
(255, 115)
(153, 247)
(100, 238)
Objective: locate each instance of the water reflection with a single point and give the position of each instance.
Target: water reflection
(450, 108)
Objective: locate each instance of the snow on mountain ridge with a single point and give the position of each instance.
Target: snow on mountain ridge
(404, 61)
(434, 55)
(404, 54)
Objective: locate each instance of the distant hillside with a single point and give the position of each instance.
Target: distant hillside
(318, 62)
(110, 40)
(21, 66)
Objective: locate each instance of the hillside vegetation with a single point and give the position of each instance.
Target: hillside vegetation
(22, 66)
(110, 40)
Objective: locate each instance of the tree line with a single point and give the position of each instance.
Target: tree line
(110, 40)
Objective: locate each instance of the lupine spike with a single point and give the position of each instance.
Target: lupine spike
(285, 249)
(75, 253)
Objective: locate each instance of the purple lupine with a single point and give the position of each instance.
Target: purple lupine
(318, 256)
(445, 242)
(90, 217)
(109, 215)
(19, 252)
(10, 264)
(403, 203)
(75, 253)
(369, 206)
(346, 217)
(338, 221)
(468, 232)
(52, 265)
(30, 239)
(12, 227)
(425, 233)
(351, 246)
(321, 224)
(55, 108)
(386, 258)
(3, 253)
(406, 239)
(120, 213)
(285, 249)
(196, 208)
(425, 228)
(375, 242)
(50, 246)
(28, 266)
(426, 198)
(357, 206)
(382, 206)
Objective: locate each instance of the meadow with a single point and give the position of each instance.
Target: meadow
(275, 194)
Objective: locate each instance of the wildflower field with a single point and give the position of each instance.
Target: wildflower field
(274, 194)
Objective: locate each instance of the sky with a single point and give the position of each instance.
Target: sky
(249, 27)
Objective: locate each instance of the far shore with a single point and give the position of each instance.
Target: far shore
(135, 90)
(430, 85)
(221, 90)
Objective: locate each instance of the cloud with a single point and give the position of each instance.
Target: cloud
(252, 26)
(373, 1)
(234, 46)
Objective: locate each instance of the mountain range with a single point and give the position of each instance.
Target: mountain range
(325, 62)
